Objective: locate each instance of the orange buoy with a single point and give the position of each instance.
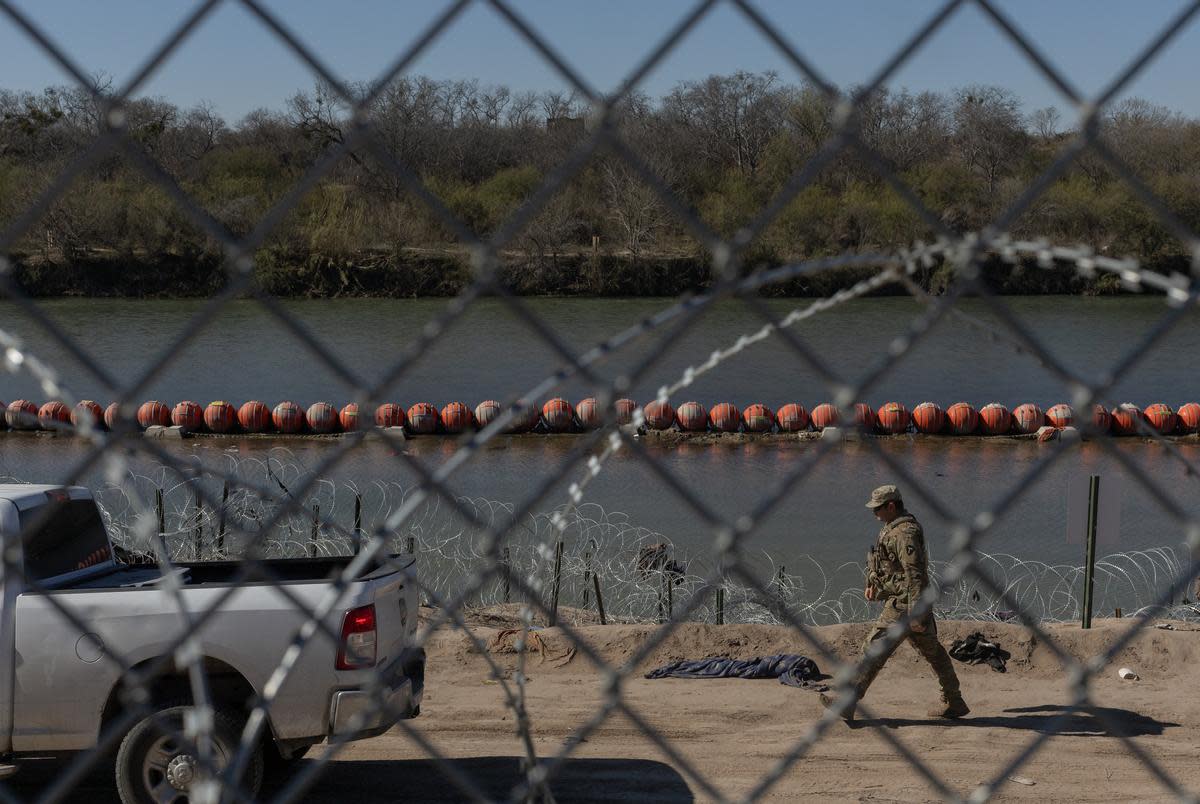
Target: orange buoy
(1189, 417)
(389, 414)
(588, 413)
(457, 417)
(110, 415)
(254, 417)
(692, 417)
(87, 410)
(1125, 419)
(864, 417)
(1161, 418)
(153, 413)
(792, 418)
(422, 419)
(1028, 418)
(322, 417)
(625, 409)
(220, 417)
(1101, 419)
(188, 415)
(288, 418)
(21, 414)
(892, 418)
(758, 418)
(558, 415)
(725, 418)
(825, 415)
(928, 417)
(349, 417)
(994, 419)
(963, 418)
(659, 415)
(487, 412)
(54, 415)
(1060, 416)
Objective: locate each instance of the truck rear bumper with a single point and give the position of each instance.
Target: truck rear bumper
(359, 713)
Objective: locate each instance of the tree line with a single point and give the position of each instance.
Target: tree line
(726, 145)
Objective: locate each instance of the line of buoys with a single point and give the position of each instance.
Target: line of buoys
(560, 416)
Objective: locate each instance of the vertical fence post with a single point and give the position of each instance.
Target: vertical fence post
(670, 594)
(599, 599)
(506, 561)
(587, 576)
(159, 513)
(720, 605)
(558, 554)
(221, 518)
(1089, 569)
(316, 527)
(661, 603)
(358, 540)
(411, 545)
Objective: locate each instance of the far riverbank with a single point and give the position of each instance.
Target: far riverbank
(442, 272)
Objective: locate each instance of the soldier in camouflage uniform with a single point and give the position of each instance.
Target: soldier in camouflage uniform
(897, 574)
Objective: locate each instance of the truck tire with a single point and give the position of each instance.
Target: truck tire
(153, 765)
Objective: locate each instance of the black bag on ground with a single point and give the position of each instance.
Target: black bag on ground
(789, 668)
(977, 649)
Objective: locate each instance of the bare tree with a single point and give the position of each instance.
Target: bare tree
(732, 117)
(634, 207)
(1046, 123)
(989, 131)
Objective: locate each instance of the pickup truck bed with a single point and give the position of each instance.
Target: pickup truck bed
(60, 689)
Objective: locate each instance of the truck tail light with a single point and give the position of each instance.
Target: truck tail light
(357, 648)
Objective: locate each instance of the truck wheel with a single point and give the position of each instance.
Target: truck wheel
(155, 765)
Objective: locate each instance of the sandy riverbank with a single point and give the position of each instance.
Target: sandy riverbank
(735, 731)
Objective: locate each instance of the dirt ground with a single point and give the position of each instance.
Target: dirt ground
(734, 732)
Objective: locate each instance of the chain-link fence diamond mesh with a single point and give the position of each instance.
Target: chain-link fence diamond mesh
(224, 755)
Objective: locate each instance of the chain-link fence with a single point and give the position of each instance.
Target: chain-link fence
(509, 560)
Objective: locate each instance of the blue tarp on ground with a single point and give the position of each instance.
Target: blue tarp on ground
(790, 668)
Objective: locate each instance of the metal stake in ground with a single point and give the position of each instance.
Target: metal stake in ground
(587, 576)
(358, 539)
(506, 565)
(558, 553)
(599, 599)
(1089, 569)
(162, 521)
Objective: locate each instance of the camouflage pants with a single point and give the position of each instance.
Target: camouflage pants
(926, 643)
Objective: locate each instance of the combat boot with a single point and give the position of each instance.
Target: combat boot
(830, 702)
(956, 707)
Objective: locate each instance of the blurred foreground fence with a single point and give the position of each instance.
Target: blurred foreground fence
(509, 555)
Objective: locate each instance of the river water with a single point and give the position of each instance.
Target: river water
(490, 353)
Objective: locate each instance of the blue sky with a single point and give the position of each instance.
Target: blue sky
(235, 63)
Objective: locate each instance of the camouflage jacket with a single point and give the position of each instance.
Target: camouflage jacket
(898, 566)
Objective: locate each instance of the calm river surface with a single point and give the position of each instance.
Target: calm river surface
(489, 353)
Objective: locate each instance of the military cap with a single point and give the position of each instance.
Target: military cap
(884, 495)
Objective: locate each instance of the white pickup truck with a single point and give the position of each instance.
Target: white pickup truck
(61, 690)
